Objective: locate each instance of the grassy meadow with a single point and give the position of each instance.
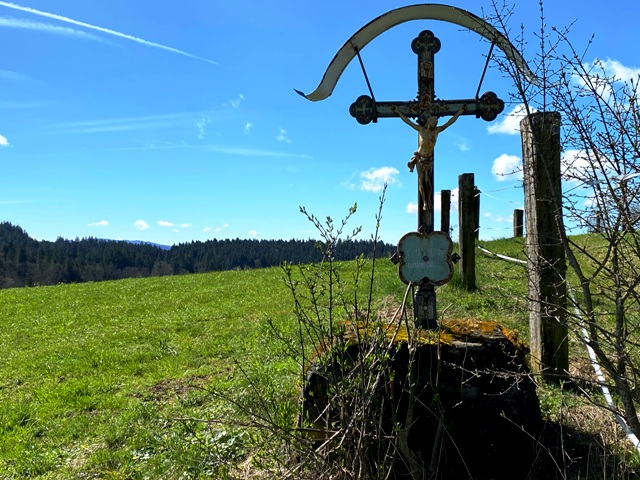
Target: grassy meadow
(111, 379)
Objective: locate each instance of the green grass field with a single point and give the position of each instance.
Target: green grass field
(108, 380)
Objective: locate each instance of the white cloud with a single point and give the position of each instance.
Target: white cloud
(235, 102)
(107, 31)
(101, 223)
(247, 128)
(619, 71)
(599, 70)
(201, 125)
(576, 165)
(141, 225)
(3, 141)
(164, 223)
(215, 230)
(412, 208)
(282, 136)
(507, 167)
(252, 233)
(373, 180)
(185, 225)
(463, 145)
(510, 122)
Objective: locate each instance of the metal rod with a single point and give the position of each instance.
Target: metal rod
(366, 77)
(486, 64)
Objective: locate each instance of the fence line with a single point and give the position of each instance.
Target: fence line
(592, 354)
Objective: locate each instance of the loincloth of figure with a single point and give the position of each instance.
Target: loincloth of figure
(418, 159)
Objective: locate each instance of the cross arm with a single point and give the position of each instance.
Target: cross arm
(366, 110)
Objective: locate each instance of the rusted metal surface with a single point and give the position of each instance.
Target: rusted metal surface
(425, 11)
(425, 257)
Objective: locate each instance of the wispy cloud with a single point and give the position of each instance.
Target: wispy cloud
(164, 223)
(141, 225)
(101, 223)
(15, 76)
(498, 218)
(463, 145)
(4, 142)
(223, 149)
(215, 230)
(21, 23)
(122, 124)
(247, 128)
(235, 102)
(107, 31)
(201, 125)
(251, 152)
(12, 105)
(252, 233)
(282, 136)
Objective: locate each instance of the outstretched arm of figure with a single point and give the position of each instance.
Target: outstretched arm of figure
(452, 119)
(403, 117)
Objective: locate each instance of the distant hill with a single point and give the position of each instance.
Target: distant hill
(25, 261)
(142, 242)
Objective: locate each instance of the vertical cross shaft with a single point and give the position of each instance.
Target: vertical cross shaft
(426, 45)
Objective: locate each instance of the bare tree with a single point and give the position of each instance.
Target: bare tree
(600, 129)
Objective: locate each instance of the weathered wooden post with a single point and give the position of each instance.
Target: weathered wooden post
(518, 225)
(467, 226)
(546, 257)
(445, 211)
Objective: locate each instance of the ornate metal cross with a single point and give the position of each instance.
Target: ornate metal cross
(420, 245)
(365, 109)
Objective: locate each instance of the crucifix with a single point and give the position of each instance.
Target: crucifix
(425, 257)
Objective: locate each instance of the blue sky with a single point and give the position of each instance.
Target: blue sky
(173, 121)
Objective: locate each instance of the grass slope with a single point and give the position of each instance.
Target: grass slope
(94, 377)
(91, 374)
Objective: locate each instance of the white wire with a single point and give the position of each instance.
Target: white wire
(592, 356)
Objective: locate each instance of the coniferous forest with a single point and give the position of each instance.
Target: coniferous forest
(25, 261)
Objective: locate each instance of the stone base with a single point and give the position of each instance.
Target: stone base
(475, 410)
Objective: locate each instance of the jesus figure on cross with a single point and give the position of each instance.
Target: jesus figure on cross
(427, 136)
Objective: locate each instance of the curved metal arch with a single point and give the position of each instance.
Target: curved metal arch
(424, 11)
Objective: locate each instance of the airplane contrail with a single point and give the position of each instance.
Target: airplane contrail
(108, 31)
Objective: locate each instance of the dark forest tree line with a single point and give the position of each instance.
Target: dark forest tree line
(25, 261)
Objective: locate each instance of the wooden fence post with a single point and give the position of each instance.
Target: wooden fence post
(467, 227)
(518, 225)
(546, 256)
(445, 211)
